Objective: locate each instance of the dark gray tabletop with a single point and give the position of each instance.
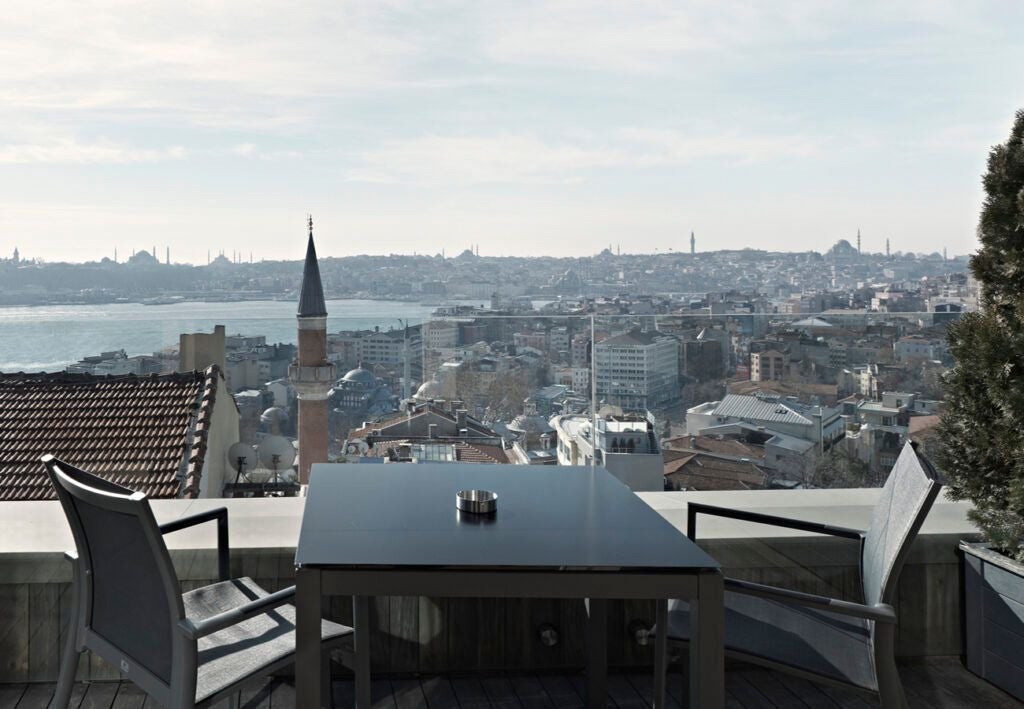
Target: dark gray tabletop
(548, 517)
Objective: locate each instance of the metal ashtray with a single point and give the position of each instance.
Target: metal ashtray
(476, 501)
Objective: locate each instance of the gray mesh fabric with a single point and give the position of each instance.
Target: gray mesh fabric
(246, 649)
(905, 500)
(129, 604)
(826, 644)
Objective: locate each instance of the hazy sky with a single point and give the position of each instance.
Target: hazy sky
(529, 128)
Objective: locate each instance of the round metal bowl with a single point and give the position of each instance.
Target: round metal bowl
(476, 501)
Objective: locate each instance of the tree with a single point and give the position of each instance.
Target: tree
(839, 469)
(982, 433)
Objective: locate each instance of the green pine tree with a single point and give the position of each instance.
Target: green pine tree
(982, 430)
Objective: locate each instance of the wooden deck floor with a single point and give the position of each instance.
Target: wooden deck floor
(940, 683)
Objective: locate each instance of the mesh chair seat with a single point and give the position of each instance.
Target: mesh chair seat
(250, 648)
(822, 643)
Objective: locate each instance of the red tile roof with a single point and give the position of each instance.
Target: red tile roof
(141, 432)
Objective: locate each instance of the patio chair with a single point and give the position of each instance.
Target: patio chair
(184, 650)
(819, 638)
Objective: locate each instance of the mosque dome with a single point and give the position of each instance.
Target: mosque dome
(360, 375)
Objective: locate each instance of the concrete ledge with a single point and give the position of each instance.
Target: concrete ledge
(450, 635)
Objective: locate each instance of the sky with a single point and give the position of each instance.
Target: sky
(529, 128)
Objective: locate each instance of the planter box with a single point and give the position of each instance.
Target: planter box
(994, 617)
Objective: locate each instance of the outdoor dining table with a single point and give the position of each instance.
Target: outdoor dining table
(558, 532)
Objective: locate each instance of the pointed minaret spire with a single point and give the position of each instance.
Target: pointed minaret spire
(858, 241)
(311, 298)
(312, 374)
(693, 244)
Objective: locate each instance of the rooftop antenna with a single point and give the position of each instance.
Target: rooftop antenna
(241, 458)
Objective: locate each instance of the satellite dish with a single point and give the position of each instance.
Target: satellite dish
(242, 457)
(358, 447)
(277, 453)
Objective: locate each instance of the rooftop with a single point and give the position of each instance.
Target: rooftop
(147, 433)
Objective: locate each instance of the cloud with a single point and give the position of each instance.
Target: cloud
(73, 152)
(513, 158)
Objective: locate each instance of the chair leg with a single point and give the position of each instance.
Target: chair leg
(326, 684)
(660, 653)
(890, 688)
(235, 701)
(68, 669)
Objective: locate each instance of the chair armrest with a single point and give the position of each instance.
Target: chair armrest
(223, 551)
(202, 628)
(883, 613)
(695, 508)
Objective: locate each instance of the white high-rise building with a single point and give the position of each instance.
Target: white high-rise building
(638, 370)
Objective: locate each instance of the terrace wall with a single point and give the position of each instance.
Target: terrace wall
(446, 635)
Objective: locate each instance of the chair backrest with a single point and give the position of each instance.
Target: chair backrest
(130, 594)
(906, 499)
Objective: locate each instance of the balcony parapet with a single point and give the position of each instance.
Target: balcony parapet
(440, 635)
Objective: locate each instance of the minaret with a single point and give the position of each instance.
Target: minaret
(17, 256)
(168, 255)
(858, 242)
(312, 375)
(887, 247)
(693, 244)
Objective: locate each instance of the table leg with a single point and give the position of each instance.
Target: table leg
(307, 638)
(361, 624)
(660, 652)
(597, 653)
(707, 651)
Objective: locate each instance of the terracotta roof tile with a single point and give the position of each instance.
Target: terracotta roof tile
(137, 431)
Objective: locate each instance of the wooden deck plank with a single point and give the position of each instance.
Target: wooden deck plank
(561, 692)
(10, 694)
(36, 696)
(808, 692)
(408, 694)
(128, 697)
(945, 682)
(768, 685)
(381, 696)
(439, 693)
(256, 696)
(745, 693)
(623, 694)
(469, 693)
(99, 695)
(643, 683)
(500, 693)
(849, 698)
(941, 683)
(531, 693)
(77, 692)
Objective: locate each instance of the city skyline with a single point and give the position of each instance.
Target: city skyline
(526, 129)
